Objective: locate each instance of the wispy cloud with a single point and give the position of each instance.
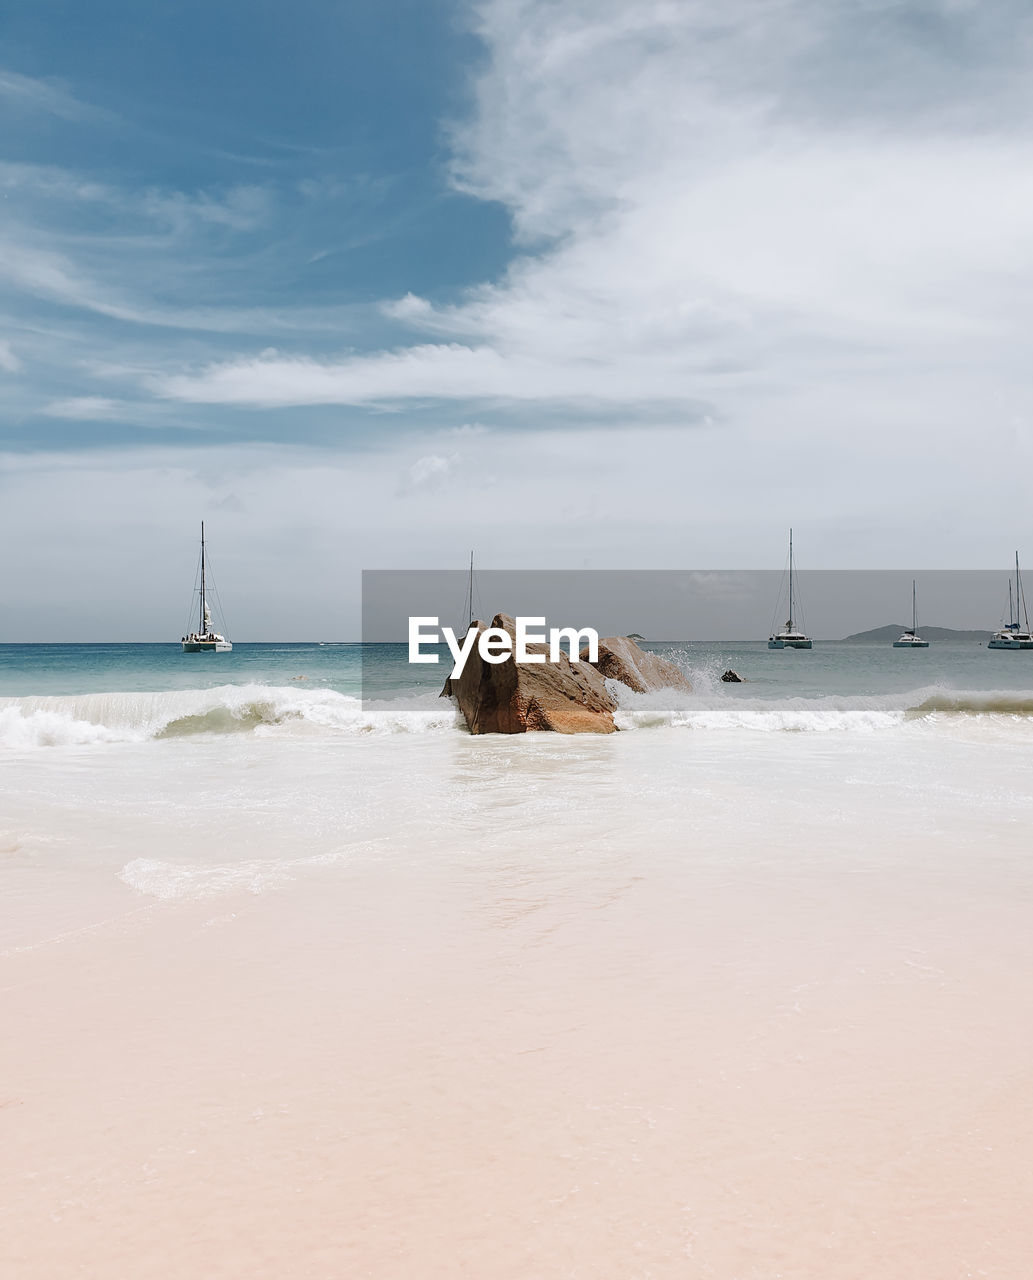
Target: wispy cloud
(83, 409)
(51, 275)
(429, 472)
(433, 372)
(779, 200)
(202, 262)
(49, 96)
(47, 274)
(9, 362)
(240, 207)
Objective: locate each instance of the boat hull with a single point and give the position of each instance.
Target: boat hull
(1009, 644)
(778, 643)
(207, 646)
(911, 644)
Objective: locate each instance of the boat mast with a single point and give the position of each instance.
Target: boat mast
(469, 612)
(200, 627)
(914, 609)
(790, 623)
(1020, 599)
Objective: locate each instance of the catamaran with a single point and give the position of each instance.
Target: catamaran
(205, 639)
(909, 638)
(1012, 635)
(789, 637)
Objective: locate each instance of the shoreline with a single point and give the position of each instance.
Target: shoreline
(622, 1007)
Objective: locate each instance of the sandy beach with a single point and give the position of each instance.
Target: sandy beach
(581, 1009)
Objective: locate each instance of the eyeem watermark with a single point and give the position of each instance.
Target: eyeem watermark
(495, 645)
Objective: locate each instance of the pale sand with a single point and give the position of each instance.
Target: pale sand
(815, 1070)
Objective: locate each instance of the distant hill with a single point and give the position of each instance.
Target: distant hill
(886, 635)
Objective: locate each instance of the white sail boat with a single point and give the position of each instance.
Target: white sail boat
(1012, 635)
(789, 637)
(909, 638)
(205, 639)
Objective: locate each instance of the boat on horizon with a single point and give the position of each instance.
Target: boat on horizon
(789, 637)
(205, 639)
(1011, 634)
(909, 638)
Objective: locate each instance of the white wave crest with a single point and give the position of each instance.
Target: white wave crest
(711, 709)
(98, 718)
(773, 717)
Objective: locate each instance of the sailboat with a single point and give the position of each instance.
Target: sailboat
(1012, 635)
(789, 637)
(205, 639)
(909, 638)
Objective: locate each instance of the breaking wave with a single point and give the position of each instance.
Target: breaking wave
(269, 711)
(711, 710)
(98, 718)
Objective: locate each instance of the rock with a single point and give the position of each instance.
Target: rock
(732, 677)
(508, 697)
(566, 697)
(621, 659)
(446, 690)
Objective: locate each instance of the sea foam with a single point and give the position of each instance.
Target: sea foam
(98, 719)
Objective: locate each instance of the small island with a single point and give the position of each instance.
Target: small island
(887, 634)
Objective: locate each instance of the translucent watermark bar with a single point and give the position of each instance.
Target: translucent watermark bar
(664, 607)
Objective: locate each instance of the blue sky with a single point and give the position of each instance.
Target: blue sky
(580, 284)
(188, 181)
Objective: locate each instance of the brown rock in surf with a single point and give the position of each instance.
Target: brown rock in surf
(512, 697)
(564, 696)
(621, 659)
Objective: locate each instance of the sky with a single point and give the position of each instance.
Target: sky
(575, 283)
(672, 604)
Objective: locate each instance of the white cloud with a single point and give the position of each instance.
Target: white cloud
(9, 362)
(84, 409)
(47, 274)
(760, 208)
(428, 472)
(802, 227)
(48, 96)
(659, 499)
(240, 208)
(53, 276)
(428, 372)
(237, 208)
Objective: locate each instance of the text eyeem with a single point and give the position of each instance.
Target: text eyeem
(496, 645)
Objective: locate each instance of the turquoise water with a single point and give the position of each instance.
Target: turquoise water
(27, 669)
(853, 670)
(828, 669)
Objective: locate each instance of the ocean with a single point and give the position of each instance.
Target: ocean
(300, 985)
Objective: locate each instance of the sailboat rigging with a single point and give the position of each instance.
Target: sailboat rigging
(789, 636)
(1012, 635)
(205, 639)
(909, 638)
(468, 619)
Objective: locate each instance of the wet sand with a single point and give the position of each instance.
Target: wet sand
(651, 1066)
